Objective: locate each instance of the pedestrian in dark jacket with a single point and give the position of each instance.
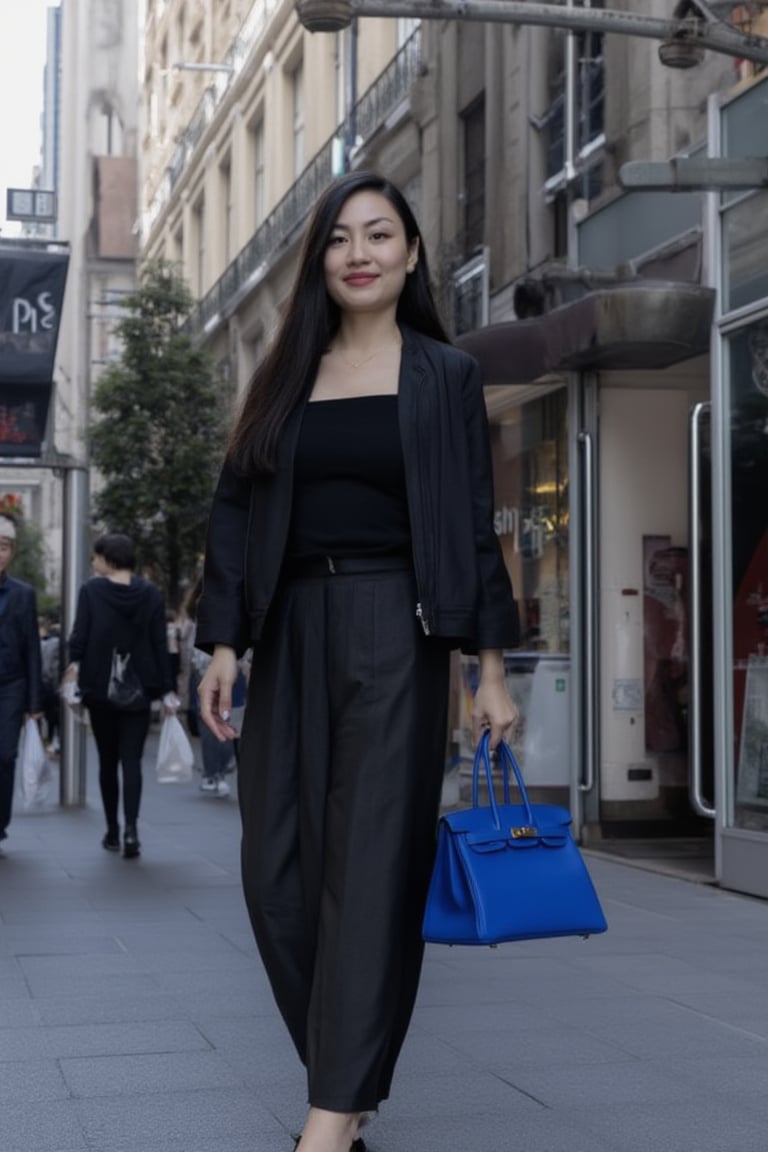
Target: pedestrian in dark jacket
(120, 615)
(21, 686)
(351, 541)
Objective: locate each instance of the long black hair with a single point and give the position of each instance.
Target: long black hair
(311, 321)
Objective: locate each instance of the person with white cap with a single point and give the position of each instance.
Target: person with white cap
(21, 688)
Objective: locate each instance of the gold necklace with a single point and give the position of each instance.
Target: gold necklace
(365, 359)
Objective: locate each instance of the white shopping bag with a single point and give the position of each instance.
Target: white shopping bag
(35, 770)
(175, 757)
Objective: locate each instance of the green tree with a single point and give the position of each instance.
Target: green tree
(29, 560)
(157, 438)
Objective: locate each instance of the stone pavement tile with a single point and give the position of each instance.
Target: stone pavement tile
(422, 1051)
(258, 1049)
(103, 1008)
(43, 1126)
(222, 963)
(228, 1120)
(208, 999)
(742, 1077)
(741, 959)
(180, 983)
(747, 1009)
(504, 1050)
(56, 941)
(191, 937)
(9, 967)
(708, 1124)
(575, 1084)
(43, 973)
(54, 913)
(100, 1040)
(532, 1131)
(163, 1073)
(14, 988)
(17, 1012)
(656, 972)
(142, 911)
(285, 1099)
(29, 1080)
(136, 984)
(625, 1009)
(452, 1022)
(460, 1095)
(674, 1031)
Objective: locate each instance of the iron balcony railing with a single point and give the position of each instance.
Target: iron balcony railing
(269, 240)
(237, 54)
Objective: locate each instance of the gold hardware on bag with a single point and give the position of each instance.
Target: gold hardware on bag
(523, 832)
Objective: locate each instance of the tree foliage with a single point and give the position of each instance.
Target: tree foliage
(158, 435)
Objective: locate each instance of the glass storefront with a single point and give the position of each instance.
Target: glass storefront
(740, 397)
(529, 442)
(747, 360)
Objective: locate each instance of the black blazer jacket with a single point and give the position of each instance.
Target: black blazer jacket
(464, 590)
(20, 641)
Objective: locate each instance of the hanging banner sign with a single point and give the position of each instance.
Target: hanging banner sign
(31, 297)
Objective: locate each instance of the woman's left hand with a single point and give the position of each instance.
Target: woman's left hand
(493, 709)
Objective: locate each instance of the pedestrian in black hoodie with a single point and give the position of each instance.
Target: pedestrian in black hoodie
(118, 612)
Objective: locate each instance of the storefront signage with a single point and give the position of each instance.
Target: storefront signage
(31, 297)
(530, 528)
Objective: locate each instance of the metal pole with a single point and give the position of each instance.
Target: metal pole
(75, 560)
(351, 141)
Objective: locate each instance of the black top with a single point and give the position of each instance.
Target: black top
(129, 617)
(349, 496)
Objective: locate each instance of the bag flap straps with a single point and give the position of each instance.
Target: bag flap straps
(515, 822)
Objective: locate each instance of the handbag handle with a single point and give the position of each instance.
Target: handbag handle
(507, 760)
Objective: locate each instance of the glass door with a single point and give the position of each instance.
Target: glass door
(747, 358)
(653, 615)
(529, 444)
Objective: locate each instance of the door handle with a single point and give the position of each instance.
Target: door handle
(698, 802)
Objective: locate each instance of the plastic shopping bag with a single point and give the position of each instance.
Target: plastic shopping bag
(175, 757)
(35, 770)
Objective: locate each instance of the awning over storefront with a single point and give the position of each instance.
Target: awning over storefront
(638, 325)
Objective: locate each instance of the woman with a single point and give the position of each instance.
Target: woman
(351, 542)
(118, 612)
(219, 757)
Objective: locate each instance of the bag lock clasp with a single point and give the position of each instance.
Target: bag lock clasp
(524, 832)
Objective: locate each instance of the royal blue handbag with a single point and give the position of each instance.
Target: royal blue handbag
(508, 871)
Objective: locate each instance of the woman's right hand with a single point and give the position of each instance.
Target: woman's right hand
(215, 692)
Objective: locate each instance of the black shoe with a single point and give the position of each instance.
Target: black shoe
(357, 1145)
(131, 846)
(111, 840)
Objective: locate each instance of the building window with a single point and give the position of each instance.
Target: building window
(297, 110)
(225, 172)
(199, 271)
(576, 116)
(162, 85)
(257, 147)
(474, 176)
(180, 33)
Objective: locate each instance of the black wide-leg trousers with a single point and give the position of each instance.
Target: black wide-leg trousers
(341, 768)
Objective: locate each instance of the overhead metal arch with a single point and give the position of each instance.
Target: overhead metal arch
(697, 30)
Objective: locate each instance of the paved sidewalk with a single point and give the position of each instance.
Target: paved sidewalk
(135, 1016)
